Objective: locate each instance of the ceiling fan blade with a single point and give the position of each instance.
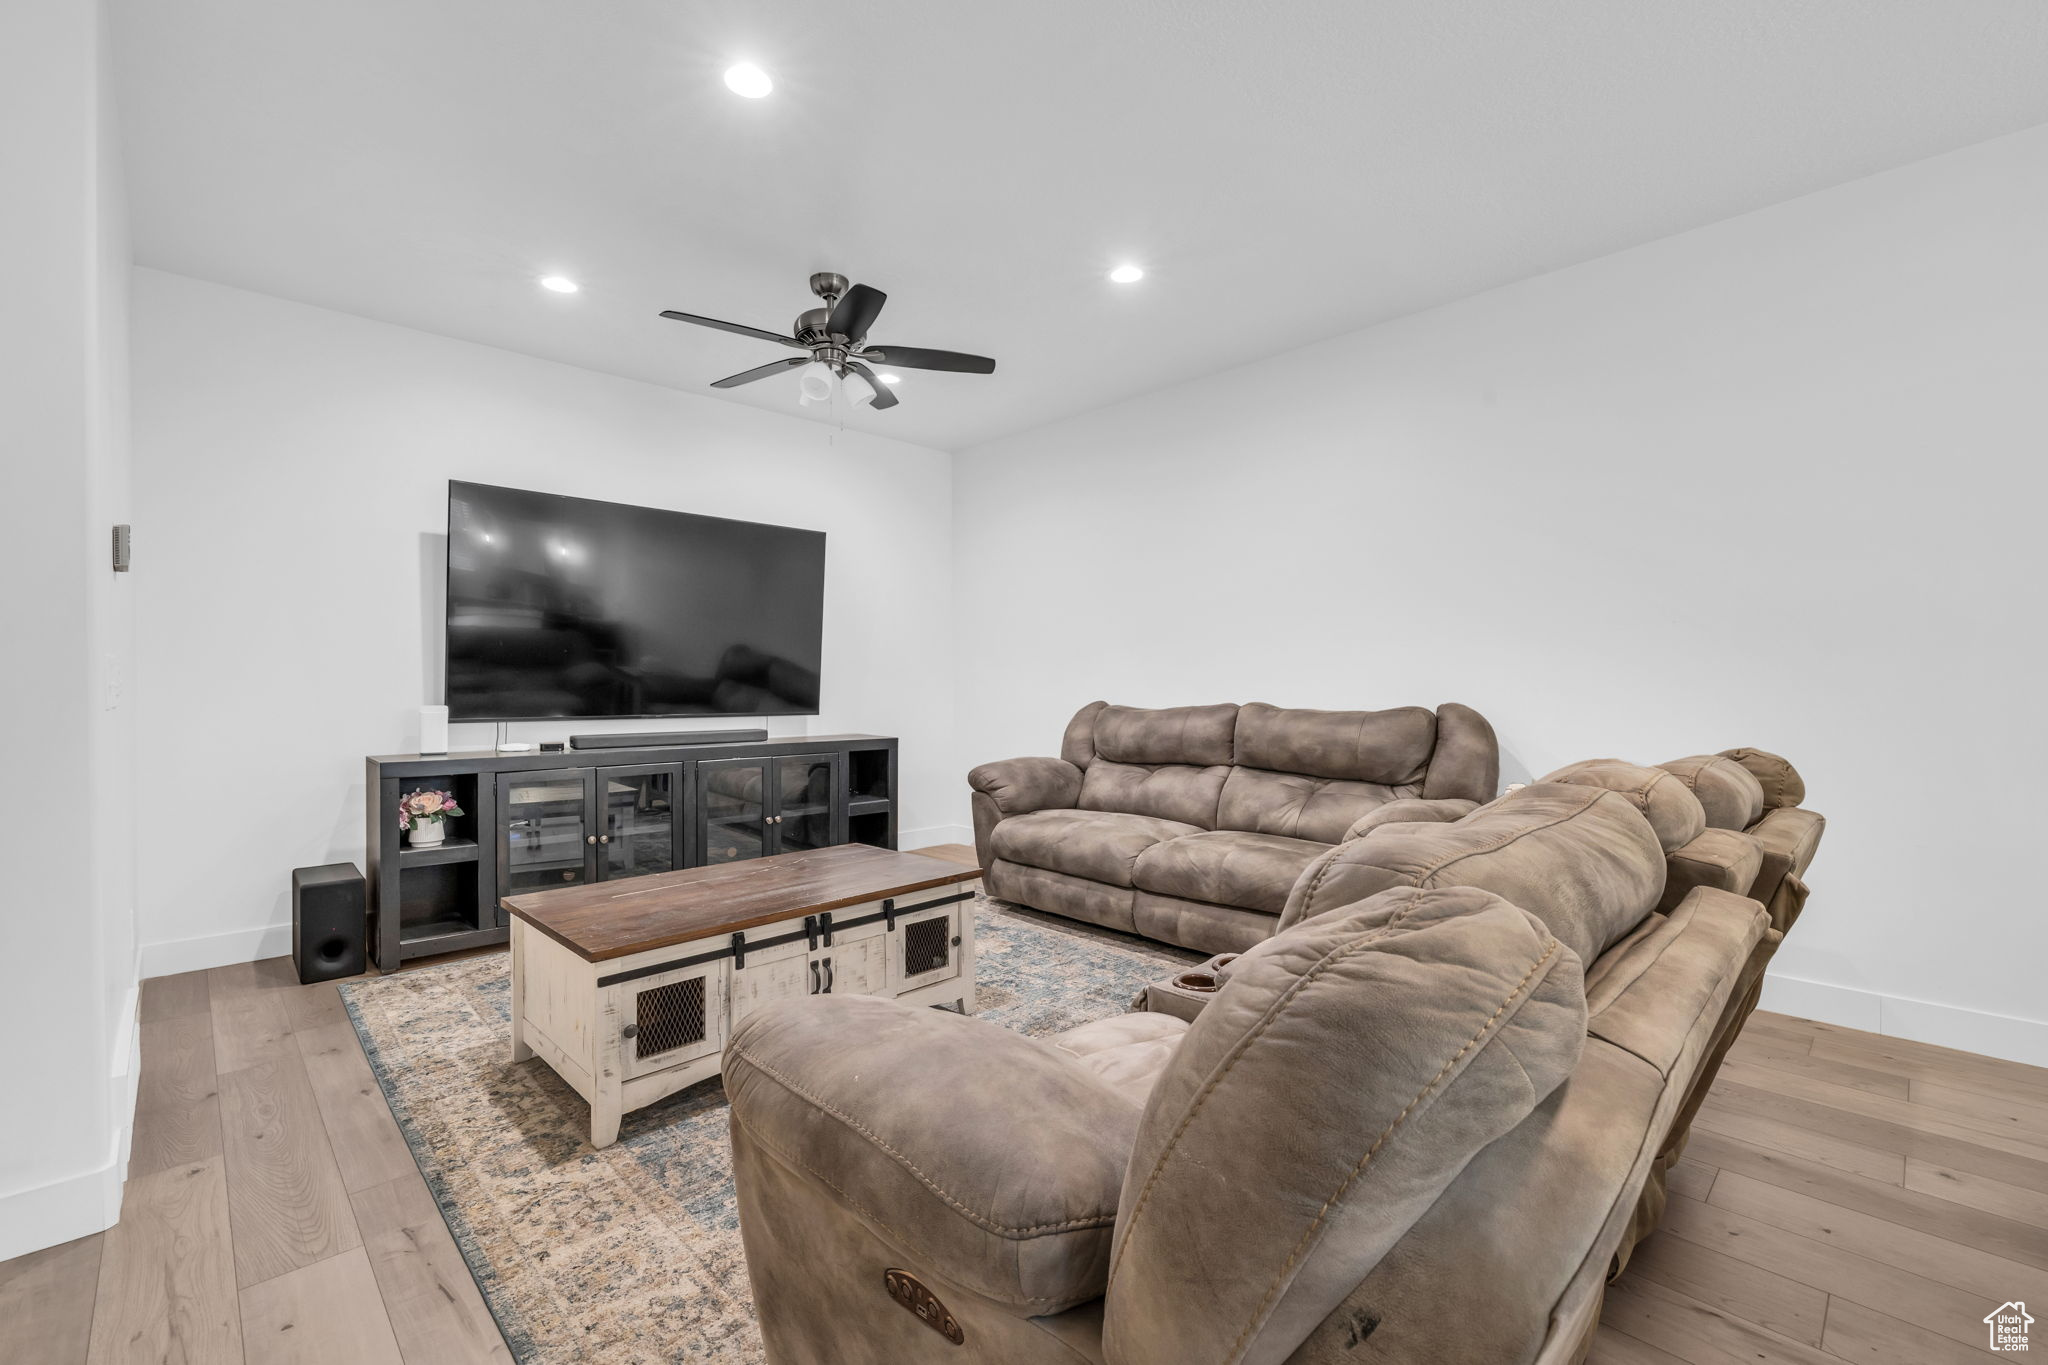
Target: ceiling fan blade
(733, 381)
(883, 397)
(739, 327)
(918, 358)
(856, 311)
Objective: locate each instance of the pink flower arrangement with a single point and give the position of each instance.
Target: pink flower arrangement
(417, 808)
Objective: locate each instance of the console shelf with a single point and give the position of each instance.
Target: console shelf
(448, 851)
(532, 821)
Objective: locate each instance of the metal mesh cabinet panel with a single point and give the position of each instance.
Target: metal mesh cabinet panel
(669, 1017)
(927, 945)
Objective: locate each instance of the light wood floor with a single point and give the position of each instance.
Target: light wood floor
(1845, 1197)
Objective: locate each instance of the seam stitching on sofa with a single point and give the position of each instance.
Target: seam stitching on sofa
(1593, 795)
(1236, 1054)
(1237, 1347)
(868, 1213)
(980, 1220)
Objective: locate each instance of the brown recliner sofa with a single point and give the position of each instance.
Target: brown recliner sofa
(1190, 824)
(1409, 1118)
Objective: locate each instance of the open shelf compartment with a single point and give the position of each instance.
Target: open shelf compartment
(437, 900)
(867, 775)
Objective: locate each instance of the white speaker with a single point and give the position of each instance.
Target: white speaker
(433, 729)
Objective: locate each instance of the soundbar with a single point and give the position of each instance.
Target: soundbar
(667, 740)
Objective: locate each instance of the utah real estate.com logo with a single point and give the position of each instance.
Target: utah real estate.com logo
(2008, 1323)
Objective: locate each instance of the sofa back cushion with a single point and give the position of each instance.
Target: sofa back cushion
(1663, 798)
(1168, 763)
(1782, 785)
(1328, 1094)
(1298, 807)
(1165, 791)
(1391, 748)
(1728, 792)
(1306, 774)
(1191, 736)
(1581, 859)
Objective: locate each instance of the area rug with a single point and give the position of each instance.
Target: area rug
(633, 1253)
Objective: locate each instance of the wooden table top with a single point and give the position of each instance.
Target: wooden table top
(603, 920)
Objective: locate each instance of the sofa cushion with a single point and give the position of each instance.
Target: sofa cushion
(1728, 792)
(1128, 1051)
(1103, 846)
(1389, 747)
(1663, 797)
(1197, 924)
(1172, 791)
(1582, 859)
(1227, 867)
(1295, 806)
(1199, 736)
(1385, 1044)
(1410, 810)
(1081, 898)
(1782, 784)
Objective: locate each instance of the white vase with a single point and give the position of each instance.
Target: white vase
(428, 832)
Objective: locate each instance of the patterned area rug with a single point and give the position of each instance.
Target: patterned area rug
(633, 1253)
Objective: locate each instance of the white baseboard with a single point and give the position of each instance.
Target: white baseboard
(63, 1210)
(79, 1205)
(908, 839)
(216, 950)
(1922, 1021)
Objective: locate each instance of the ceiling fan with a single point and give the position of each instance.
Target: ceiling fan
(836, 337)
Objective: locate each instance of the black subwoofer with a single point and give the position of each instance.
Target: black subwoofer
(329, 920)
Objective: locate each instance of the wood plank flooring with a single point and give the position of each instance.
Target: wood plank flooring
(1845, 1197)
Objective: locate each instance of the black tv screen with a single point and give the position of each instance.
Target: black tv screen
(566, 607)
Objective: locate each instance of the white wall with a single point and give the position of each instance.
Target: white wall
(67, 941)
(1777, 482)
(290, 487)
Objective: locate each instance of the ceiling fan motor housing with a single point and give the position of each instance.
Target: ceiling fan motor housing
(836, 336)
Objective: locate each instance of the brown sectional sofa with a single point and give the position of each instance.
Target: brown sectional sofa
(1191, 824)
(1420, 1123)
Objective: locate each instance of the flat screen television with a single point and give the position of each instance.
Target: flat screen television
(564, 608)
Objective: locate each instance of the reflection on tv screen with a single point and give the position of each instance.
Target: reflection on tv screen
(568, 607)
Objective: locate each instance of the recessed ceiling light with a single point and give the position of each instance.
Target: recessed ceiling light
(890, 378)
(561, 284)
(748, 80)
(1127, 274)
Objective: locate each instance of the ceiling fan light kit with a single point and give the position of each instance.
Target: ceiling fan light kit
(839, 352)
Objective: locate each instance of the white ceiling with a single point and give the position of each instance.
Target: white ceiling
(1286, 170)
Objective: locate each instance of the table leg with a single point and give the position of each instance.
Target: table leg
(520, 1050)
(605, 1113)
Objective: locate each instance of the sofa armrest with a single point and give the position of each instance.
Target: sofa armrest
(983, 1155)
(1019, 786)
(1788, 836)
(1791, 832)
(1720, 859)
(1411, 810)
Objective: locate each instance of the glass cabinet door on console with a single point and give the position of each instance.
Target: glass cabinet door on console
(804, 784)
(546, 839)
(638, 829)
(732, 808)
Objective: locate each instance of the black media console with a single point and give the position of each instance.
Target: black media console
(532, 821)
